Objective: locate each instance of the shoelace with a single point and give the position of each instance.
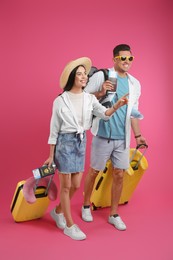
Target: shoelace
(87, 212)
(77, 229)
(62, 218)
(120, 222)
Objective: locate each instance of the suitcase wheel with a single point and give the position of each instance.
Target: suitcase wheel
(94, 207)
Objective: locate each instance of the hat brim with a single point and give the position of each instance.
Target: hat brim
(86, 62)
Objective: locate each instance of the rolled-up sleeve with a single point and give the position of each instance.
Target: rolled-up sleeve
(99, 110)
(54, 124)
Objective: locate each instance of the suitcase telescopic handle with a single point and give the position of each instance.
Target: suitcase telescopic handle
(134, 153)
(139, 145)
(48, 185)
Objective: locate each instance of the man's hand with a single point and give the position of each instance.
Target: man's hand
(141, 140)
(107, 85)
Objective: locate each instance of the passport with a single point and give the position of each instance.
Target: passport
(43, 171)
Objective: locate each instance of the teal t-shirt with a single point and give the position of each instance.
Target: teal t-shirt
(114, 128)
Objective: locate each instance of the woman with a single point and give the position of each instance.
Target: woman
(72, 115)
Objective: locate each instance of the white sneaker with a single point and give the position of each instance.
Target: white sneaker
(86, 214)
(117, 222)
(74, 232)
(59, 219)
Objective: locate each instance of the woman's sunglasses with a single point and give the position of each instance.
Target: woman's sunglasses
(123, 58)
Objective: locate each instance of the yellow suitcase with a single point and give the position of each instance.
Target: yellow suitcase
(101, 195)
(22, 210)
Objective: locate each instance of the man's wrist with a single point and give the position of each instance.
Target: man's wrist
(137, 136)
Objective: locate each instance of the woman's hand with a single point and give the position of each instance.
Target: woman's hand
(121, 102)
(49, 161)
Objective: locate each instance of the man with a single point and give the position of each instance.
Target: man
(111, 139)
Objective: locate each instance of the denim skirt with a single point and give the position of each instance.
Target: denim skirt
(70, 153)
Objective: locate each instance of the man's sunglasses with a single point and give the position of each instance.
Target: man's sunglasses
(123, 58)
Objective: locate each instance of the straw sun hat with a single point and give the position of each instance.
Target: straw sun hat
(86, 62)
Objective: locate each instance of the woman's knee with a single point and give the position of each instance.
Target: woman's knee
(75, 187)
(65, 189)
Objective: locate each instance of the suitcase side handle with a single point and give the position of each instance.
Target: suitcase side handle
(101, 178)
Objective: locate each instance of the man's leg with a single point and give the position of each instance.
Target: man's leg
(100, 153)
(89, 184)
(88, 188)
(117, 185)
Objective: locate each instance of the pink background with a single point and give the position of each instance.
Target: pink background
(37, 39)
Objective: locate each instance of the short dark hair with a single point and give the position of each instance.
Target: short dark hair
(120, 47)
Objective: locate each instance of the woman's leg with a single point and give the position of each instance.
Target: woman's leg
(75, 184)
(65, 185)
(69, 183)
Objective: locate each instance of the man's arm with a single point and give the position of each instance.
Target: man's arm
(137, 133)
(97, 86)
